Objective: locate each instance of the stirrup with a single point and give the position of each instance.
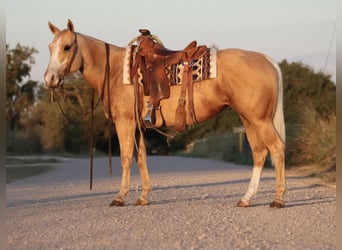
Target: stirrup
(150, 117)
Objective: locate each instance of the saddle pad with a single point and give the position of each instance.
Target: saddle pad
(203, 68)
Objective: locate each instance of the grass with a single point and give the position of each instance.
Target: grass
(21, 172)
(22, 167)
(30, 160)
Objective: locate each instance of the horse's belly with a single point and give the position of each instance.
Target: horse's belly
(207, 103)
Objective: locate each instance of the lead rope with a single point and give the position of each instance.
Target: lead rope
(91, 111)
(109, 110)
(91, 143)
(106, 80)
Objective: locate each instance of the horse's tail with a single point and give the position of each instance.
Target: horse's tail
(278, 117)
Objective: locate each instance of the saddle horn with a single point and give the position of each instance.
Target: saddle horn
(145, 32)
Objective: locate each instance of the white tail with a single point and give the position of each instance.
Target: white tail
(278, 118)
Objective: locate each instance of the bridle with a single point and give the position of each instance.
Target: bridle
(74, 47)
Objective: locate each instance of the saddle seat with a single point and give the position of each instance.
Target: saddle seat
(172, 56)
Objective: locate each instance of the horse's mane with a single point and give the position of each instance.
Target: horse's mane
(96, 40)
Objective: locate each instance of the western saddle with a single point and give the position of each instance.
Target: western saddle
(152, 58)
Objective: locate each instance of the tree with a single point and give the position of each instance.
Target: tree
(303, 85)
(70, 134)
(20, 90)
(310, 115)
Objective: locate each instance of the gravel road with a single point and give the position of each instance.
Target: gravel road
(192, 206)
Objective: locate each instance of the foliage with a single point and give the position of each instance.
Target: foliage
(18, 143)
(314, 141)
(20, 90)
(310, 115)
(70, 134)
(303, 86)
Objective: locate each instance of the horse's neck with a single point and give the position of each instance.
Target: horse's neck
(95, 60)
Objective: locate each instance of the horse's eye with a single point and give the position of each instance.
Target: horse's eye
(67, 47)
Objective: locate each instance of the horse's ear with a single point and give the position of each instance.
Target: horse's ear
(70, 25)
(53, 28)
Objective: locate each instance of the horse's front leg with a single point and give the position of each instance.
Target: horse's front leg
(126, 132)
(145, 178)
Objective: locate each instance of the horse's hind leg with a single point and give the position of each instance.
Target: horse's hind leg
(145, 178)
(259, 152)
(276, 146)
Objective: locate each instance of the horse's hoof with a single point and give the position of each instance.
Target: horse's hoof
(243, 203)
(117, 203)
(277, 204)
(141, 202)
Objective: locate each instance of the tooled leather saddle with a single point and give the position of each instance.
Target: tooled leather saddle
(153, 58)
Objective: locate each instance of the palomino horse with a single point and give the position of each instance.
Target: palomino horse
(249, 82)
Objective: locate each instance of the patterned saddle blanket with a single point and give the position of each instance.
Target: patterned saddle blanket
(202, 68)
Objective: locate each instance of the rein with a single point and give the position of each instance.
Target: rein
(91, 110)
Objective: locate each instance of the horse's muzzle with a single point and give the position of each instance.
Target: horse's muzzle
(52, 80)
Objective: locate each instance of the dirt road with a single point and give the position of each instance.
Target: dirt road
(192, 207)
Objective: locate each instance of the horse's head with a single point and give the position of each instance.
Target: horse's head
(65, 56)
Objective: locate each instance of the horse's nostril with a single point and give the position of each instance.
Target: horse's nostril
(50, 79)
